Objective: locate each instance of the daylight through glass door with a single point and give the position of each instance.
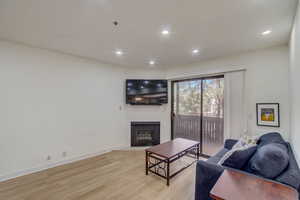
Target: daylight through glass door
(198, 112)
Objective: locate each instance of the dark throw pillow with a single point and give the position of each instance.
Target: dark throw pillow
(239, 158)
(269, 138)
(269, 160)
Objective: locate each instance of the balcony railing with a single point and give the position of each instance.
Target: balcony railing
(187, 126)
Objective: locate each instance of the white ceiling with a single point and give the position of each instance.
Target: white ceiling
(85, 27)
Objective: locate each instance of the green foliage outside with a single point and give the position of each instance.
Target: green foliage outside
(187, 96)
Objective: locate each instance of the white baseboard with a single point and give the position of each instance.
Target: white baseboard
(56, 164)
(134, 148)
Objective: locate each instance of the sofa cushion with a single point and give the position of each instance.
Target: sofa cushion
(269, 160)
(268, 138)
(217, 157)
(207, 174)
(245, 141)
(291, 175)
(240, 153)
(239, 158)
(229, 143)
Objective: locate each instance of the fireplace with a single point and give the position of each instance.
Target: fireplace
(145, 133)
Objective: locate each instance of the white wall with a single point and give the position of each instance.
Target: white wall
(51, 103)
(294, 84)
(266, 81)
(149, 113)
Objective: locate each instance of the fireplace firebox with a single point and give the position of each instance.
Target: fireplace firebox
(145, 133)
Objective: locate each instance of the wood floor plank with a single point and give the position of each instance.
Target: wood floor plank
(117, 175)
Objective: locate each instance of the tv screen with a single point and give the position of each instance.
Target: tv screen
(146, 92)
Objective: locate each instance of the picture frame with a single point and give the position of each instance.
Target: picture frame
(268, 114)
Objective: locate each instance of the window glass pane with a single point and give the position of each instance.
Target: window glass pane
(187, 109)
(187, 116)
(213, 115)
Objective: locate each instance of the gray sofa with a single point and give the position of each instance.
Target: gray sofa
(208, 172)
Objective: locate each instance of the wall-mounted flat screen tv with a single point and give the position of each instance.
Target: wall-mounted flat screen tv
(146, 92)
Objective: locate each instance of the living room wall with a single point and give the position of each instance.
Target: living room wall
(266, 81)
(295, 83)
(149, 113)
(53, 103)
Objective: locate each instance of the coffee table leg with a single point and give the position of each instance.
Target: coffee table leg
(146, 160)
(168, 172)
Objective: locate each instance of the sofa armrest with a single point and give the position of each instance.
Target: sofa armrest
(229, 143)
(207, 174)
(291, 175)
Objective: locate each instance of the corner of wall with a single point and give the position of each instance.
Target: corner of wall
(294, 71)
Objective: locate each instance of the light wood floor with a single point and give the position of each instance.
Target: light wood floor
(118, 175)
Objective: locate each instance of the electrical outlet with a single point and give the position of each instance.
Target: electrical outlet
(64, 154)
(48, 157)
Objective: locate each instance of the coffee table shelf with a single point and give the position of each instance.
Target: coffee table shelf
(159, 157)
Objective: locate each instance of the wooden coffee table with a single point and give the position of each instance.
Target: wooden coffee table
(159, 158)
(233, 185)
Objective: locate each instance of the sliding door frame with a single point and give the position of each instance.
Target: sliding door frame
(201, 109)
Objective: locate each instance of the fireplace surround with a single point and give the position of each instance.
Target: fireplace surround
(145, 133)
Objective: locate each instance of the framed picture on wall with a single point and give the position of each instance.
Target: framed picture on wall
(268, 114)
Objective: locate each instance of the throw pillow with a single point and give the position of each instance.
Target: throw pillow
(269, 160)
(239, 158)
(270, 138)
(240, 149)
(245, 141)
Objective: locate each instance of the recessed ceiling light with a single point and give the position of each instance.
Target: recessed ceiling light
(165, 32)
(119, 52)
(151, 62)
(195, 51)
(267, 32)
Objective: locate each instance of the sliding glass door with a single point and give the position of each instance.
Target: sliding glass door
(213, 115)
(198, 110)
